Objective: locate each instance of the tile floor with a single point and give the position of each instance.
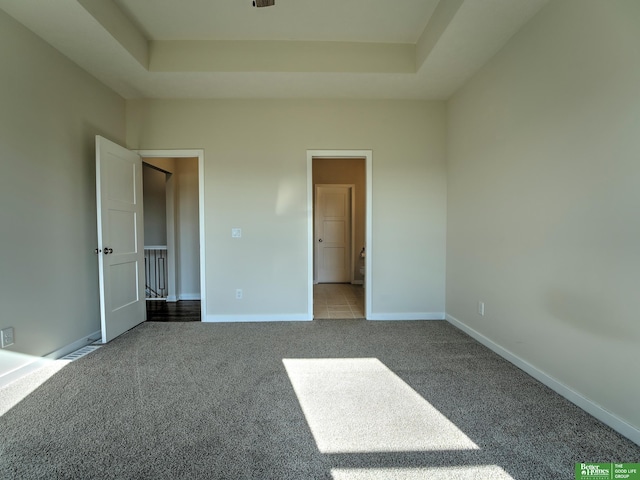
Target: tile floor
(338, 300)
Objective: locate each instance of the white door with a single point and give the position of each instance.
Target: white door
(333, 233)
(120, 238)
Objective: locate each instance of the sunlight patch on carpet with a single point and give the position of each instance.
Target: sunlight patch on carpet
(359, 405)
(18, 390)
(30, 376)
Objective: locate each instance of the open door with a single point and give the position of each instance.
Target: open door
(120, 238)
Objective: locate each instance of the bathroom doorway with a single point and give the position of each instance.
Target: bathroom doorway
(339, 200)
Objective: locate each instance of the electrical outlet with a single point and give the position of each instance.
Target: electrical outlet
(238, 294)
(481, 308)
(236, 233)
(6, 337)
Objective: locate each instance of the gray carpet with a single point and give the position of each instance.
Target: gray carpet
(408, 400)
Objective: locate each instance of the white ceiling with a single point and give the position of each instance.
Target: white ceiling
(395, 21)
(399, 49)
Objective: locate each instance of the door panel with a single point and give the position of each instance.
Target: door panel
(333, 233)
(124, 285)
(124, 222)
(333, 258)
(120, 238)
(334, 202)
(120, 179)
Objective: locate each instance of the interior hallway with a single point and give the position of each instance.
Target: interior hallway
(338, 300)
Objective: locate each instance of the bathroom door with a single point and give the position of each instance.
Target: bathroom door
(333, 233)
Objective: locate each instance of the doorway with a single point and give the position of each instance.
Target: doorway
(341, 171)
(183, 260)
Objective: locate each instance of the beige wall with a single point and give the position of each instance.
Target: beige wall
(51, 111)
(188, 231)
(543, 196)
(255, 178)
(347, 171)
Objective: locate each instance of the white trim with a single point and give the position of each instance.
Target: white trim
(23, 371)
(172, 298)
(310, 238)
(407, 316)
(199, 154)
(258, 318)
(189, 296)
(155, 247)
(72, 347)
(606, 417)
(368, 238)
(39, 362)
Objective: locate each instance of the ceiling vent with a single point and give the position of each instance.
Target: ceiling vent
(264, 3)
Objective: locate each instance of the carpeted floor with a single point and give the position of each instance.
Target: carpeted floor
(341, 400)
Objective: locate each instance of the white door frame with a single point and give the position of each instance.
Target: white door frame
(367, 155)
(199, 154)
(352, 228)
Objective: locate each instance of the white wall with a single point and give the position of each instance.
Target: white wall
(51, 111)
(543, 198)
(255, 179)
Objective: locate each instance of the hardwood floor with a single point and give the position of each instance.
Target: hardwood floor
(182, 311)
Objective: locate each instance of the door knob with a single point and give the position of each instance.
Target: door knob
(107, 251)
(98, 250)
(320, 240)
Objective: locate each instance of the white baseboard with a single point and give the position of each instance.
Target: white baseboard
(188, 296)
(172, 298)
(606, 417)
(304, 317)
(39, 362)
(407, 316)
(72, 347)
(295, 317)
